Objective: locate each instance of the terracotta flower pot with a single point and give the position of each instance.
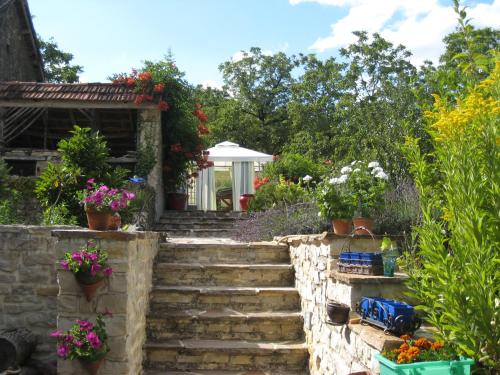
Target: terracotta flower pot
(92, 367)
(90, 290)
(341, 226)
(245, 200)
(364, 222)
(97, 220)
(115, 222)
(177, 201)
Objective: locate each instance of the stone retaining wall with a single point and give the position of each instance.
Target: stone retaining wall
(28, 285)
(126, 294)
(336, 350)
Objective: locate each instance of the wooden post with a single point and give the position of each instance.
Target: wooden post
(45, 120)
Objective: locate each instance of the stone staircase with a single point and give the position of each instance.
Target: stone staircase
(220, 307)
(191, 223)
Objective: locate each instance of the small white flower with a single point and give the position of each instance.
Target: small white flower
(342, 179)
(319, 214)
(382, 175)
(373, 164)
(307, 178)
(377, 170)
(346, 170)
(354, 162)
(356, 170)
(334, 181)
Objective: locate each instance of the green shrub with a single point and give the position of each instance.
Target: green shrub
(58, 215)
(4, 178)
(293, 167)
(458, 280)
(8, 212)
(278, 193)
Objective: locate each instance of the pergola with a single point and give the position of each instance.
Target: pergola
(243, 161)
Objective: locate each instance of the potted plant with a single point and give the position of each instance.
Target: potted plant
(366, 184)
(389, 256)
(333, 203)
(102, 205)
(422, 356)
(86, 342)
(89, 265)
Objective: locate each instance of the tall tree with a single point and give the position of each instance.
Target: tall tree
(57, 63)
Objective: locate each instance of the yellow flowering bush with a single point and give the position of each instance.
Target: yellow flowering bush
(459, 239)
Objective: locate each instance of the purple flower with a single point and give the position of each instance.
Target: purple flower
(63, 350)
(77, 257)
(104, 189)
(94, 340)
(98, 197)
(64, 264)
(128, 195)
(108, 271)
(85, 325)
(57, 334)
(68, 338)
(78, 343)
(113, 192)
(92, 256)
(96, 267)
(89, 199)
(91, 181)
(115, 206)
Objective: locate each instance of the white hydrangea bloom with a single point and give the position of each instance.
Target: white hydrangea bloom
(354, 162)
(334, 181)
(356, 170)
(346, 170)
(307, 178)
(382, 175)
(373, 164)
(342, 179)
(377, 170)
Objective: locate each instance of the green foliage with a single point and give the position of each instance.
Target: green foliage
(4, 178)
(332, 200)
(83, 156)
(278, 193)
(58, 215)
(8, 212)
(57, 64)
(458, 281)
(293, 167)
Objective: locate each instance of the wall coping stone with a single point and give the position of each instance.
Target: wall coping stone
(353, 278)
(17, 228)
(328, 236)
(104, 235)
(375, 337)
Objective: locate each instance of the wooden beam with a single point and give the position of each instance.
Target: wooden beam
(3, 111)
(75, 104)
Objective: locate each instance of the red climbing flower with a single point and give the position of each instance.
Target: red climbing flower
(163, 105)
(159, 88)
(203, 129)
(146, 76)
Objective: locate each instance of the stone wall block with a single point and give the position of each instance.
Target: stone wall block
(67, 283)
(117, 303)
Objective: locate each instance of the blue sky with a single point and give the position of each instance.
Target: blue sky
(109, 36)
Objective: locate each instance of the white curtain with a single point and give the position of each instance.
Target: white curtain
(243, 176)
(205, 190)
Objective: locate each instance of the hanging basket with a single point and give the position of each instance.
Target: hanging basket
(93, 367)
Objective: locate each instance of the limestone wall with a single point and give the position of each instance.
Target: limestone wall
(336, 350)
(126, 294)
(28, 285)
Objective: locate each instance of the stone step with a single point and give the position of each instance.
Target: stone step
(183, 225)
(243, 299)
(225, 355)
(223, 274)
(216, 252)
(225, 325)
(194, 233)
(222, 372)
(203, 214)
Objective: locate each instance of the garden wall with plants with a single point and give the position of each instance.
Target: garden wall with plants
(28, 283)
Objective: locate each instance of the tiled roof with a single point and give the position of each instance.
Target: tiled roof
(84, 92)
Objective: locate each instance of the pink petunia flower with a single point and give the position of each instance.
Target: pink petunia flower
(57, 334)
(85, 325)
(108, 271)
(94, 340)
(63, 350)
(96, 267)
(64, 264)
(115, 206)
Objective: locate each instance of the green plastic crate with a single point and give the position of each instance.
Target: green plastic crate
(461, 367)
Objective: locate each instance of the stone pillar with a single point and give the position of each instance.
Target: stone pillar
(125, 294)
(149, 130)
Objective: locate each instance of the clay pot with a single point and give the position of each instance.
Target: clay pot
(115, 222)
(245, 200)
(341, 226)
(90, 290)
(364, 222)
(177, 201)
(92, 367)
(97, 220)
(338, 312)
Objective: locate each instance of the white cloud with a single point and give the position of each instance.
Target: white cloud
(211, 83)
(420, 25)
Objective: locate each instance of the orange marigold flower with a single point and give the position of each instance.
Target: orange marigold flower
(404, 346)
(413, 351)
(405, 337)
(423, 343)
(437, 345)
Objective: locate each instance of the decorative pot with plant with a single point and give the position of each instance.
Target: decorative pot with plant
(365, 185)
(86, 342)
(389, 256)
(333, 203)
(89, 265)
(102, 205)
(422, 356)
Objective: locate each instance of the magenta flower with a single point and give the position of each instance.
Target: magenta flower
(96, 267)
(77, 257)
(85, 325)
(108, 271)
(57, 334)
(91, 181)
(128, 195)
(64, 264)
(63, 350)
(92, 257)
(94, 340)
(78, 343)
(104, 189)
(115, 206)
(68, 338)
(113, 192)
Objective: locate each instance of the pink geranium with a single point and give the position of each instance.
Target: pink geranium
(103, 198)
